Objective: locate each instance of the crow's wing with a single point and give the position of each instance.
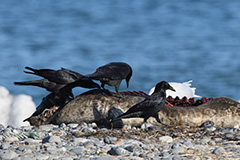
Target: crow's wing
(58, 76)
(146, 106)
(117, 70)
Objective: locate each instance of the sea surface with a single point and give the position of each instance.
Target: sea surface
(175, 41)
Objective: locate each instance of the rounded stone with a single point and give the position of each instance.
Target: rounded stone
(165, 139)
(7, 154)
(77, 150)
(109, 140)
(51, 139)
(219, 151)
(118, 151)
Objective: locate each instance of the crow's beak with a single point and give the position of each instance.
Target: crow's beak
(171, 88)
(127, 81)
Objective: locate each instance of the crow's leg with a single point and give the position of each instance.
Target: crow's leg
(159, 121)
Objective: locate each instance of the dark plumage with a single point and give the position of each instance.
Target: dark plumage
(43, 83)
(55, 80)
(60, 83)
(112, 74)
(63, 76)
(151, 105)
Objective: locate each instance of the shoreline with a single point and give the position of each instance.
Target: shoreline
(87, 141)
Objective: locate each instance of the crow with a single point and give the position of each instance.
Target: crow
(150, 106)
(43, 83)
(112, 74)
(59, 83)
(55, 80)
(63, 76)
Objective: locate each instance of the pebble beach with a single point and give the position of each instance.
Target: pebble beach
(87, 141)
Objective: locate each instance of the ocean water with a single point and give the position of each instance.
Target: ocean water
(162, 40)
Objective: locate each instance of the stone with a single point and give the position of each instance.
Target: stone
(165, 139)
(88, 144)
(78, 150)
(219, 151)
(118, 151)
(229, 136)
(187, 142)
(147, 126)
(205, 140)
(51, 139)
(41, 156)
(177, 149)
(7, 154)
(106, 157)
(109, 140)
(207, 124)
(11, 139)
(47, 127)
(72, 125)
(5, 145)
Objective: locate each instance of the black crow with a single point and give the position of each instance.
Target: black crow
(60, 83)
(55, 80)
(112, 74)
(63, 76)
(150, 106)
(43, 83)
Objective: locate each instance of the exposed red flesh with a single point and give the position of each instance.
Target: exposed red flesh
(184, 102)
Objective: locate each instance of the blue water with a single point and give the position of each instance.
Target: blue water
(162, 40)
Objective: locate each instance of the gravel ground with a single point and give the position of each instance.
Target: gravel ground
(87, 141)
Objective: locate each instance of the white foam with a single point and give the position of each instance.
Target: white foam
(14, 109)
(182, 89)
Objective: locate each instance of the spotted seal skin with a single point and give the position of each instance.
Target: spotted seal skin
(94, 106)
(223, 111)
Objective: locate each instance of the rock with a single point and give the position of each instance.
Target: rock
(105, 157)
(24, 149)
(41, 156)
(88, 144)
(205, 140)
(78, 141)
(78, 150)
(147, 126)
(219, 151)
(5, 145)
(30, 141)
(72, 125)
(7, 154)
(109, 140)
(165, 153)
(51, 139)
(165, 139)
(47, 127)
(207, 124)
(130, 148)
(11, 139)
(118, 151)
(229, 136)
(187, 142)
(177, 149)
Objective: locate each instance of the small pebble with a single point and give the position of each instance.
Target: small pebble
(165, 139)
(91, 142)
(109, 140)
(118, 151)
(219, 151)
(78, 150)
(7, 154)
(52, 139)
(11, 139)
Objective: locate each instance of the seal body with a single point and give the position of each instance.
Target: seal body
(95, 105)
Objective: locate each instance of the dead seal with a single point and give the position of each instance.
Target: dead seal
(94, 106)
